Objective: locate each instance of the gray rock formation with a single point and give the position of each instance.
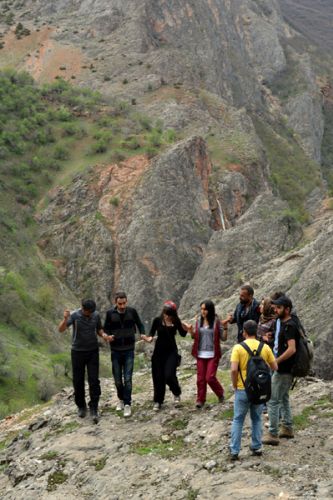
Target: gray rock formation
(150, 245)
(237, 255)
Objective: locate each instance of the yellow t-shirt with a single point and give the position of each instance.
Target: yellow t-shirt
(240, 356)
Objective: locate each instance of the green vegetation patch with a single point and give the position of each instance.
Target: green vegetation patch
(56, 478)
(293, 174)
(99, 463)
(49, 455)
(156, 447)
(321, 408)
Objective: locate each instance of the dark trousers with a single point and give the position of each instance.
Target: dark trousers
(81, 360)
(122, 370)
(164, 369)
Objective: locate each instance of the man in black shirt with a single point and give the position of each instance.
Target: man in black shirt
(248, 308)
(120, 324)
(282, 379)
(87, 325)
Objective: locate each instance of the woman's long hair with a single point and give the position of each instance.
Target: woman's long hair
(209, 305)
(171, 312)
(268, 312)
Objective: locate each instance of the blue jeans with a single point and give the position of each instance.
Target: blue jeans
(279, 402)
(122, 370)
(241, 407)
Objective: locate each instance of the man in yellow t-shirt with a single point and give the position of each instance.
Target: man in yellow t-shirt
(239, 361)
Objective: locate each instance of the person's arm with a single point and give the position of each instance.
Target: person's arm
(100, 331)
(273, 365)
(291, 349)
(107, 328)
(149, 338)
(139, 324)
(234, 373)
(223, 331)
(182, 330)
(63, 325)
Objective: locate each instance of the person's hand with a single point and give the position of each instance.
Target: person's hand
(67, 314)
(225, 322)
(110, 338)
(149, 339)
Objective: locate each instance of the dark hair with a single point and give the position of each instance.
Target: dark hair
(267, 307)
(88, 305)
(250, 327)
(210, 306)
(277, 295)
(170, 311)
(248, 288)
(120, 295)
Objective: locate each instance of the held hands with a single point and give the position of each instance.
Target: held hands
(108, 338)
(146, 338)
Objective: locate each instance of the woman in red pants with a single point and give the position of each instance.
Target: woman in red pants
(206, 349)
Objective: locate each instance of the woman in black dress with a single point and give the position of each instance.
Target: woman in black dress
(165, 357)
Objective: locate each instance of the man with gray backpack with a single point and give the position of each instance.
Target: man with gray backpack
(251, 361)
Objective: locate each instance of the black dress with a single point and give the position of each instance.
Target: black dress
(165, 358)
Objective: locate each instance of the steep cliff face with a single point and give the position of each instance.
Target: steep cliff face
(149, 242)
(261, 234)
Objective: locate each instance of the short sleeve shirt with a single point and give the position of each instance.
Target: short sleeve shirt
(240, 356)
(84, 336)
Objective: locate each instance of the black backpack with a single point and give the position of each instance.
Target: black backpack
(304, 351)
(257, 384)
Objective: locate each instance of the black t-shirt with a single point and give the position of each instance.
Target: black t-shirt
(166, 341)
(288, 331)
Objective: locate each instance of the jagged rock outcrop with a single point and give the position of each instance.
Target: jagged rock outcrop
(261, 234)
(149, 242)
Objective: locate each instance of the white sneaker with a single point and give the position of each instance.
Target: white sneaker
(176, 400)
(156, 407)
(120, 405)
(127, 411)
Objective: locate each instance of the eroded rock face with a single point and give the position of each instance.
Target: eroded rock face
(149, 242)
(240, 253)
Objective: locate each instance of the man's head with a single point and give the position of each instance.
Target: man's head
(283, 306)
(246, 294)
(121, 301)
(88, 307)
(250, 329)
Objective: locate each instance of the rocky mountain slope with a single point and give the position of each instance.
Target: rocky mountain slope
(179, 452)
(238, 194)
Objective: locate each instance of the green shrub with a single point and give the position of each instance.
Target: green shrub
(45, 298)
(61, 153)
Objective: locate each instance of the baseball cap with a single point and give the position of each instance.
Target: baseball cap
(283, 301)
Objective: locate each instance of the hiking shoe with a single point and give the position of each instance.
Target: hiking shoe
(176, 400)
(127, 411)
(82, 412)
(199, 405)
(257, 452)
(233, 457)
(270, 439)
(157, 406)
(95, 416)
(221, 399)
(120, 405)
(286, 432)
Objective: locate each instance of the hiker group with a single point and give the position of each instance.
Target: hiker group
(270, 339)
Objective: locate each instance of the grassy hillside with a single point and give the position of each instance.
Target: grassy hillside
(47, 134)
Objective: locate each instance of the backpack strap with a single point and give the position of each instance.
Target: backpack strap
(247, 349)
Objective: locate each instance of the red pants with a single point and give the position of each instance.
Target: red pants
(206, 374)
